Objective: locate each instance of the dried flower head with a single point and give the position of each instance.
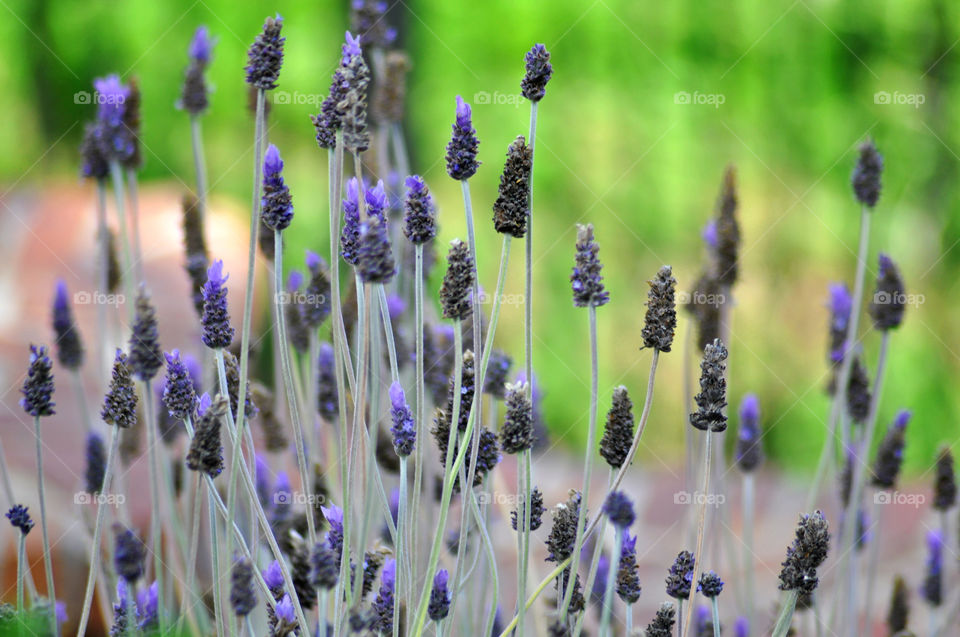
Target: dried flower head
(327, 397)
(512, 207)
(886, 467)
(440, 597)
(680, 578)
(317, 305)
(586, 280)
(69, 345)
(368, 18)
(712, 399)
(420, 216)
(206, 451)
(457, 283)
(560, 542)
(710, 584)
(945, 481)
(276, 204)
(749, 451)
(352, 107)
(661, 319)
(120, 403)
(858, 392)
(94, 164)
(38, 386)
(146, 357)
(899, 613)
(533, 86)
(404, 430)
(20, 519)
(728, 230)
(628, 583)
(96, 469)
(618, 433)
(806, 554)
(662, 624)
(619, 510)
(232, 366)
(462, 150)
(536, 511)
(866, 175)
(265, 56)
(325, 568)
(889, 298)
(243, 595)
(129, 554)
(389, 94)
(131, 121)
(516, 435)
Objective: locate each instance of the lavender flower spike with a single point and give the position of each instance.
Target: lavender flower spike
(889, 298)
(680, 578)
(19, 518)
(376, 263)
(886, 467)
(539, 71)
(351, 109)
(420, 218)
(462, 150)
(206, 452)
(841, 305)
(619, 510)
(403, 429)
(179, 393)
(318, 306)
(806, 554)
(96, 470)
(277, 205)
(129, 554)
(457, 282)
(38, 386)
(866, 175)
(350, 234)
(286, 618)
(586, 280)
(932, 589)
(69, 345)
(512, 207)
(120, 403)
(439, 596)
(201, 46)
(712, 399)
(383, 605)
(749, 452)
(265, 56)
(146, 357)
(116, 141)
(217, 332)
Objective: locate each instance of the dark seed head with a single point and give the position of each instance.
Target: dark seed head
(516, 436)
(710, 584)
(276, 204)
(858, 392)
(512, 207)
(243, 595)
(586, 280)
(866, 175)
(457, 282)
(618, 433)
(265, 56)
(498, 368)
(317, 305)
(662, 624)
(326, 570)
(560, 542)
(389, 94)
(93, 164)
(661, 319)
(728, 231)
(533, 86)
(376, 263)
(680, 578)
(886, 467)
(69, 345)
(945, 482)
(327, 397)
(19, 518)
(420, 216)
(129, 554)
(899, 612)
(38, 386)
(712, 399)
(146, 357)
(628, 583)
(96, 463)
(206, 452)
(889, 297)
(619, 510)
(440, 597)
(120, 404)
(536, 511)
(806, 554)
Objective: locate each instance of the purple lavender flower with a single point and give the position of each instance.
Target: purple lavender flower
(120, 403)
(945, 481)
(273, 576)
(420, 218)
(440, 598)
(206, 451)
(539, 70)
(193, 98)
(201, 46)
(286, 618)
(94, 164)
(19, 518)
(710, 584)
(69, 345)
(243, 596)
(276, 204)
(217, 331)
(619, 510)
(709, 233)
(841, 305)
(932, 589)
(325, 570)
(586, 280)
(350, 234)
(327, 398)
(129, 554)
(38, 386)
(334, 516)
(368, 17)
(383, 604)
(749, 452)
(741, 627)
(375, 260)
(96, 463)
(261, 475)
(265, 56)
(352, 107)
(462, 150)
(680, 578)
(115, 139)
(886, 467)
(179, 391)
(317, 305)
(148, 602)
(146, 357)
(403, 429)
(628, 583)
(498, 368)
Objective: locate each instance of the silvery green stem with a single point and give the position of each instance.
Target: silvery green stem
(588, 465)
(310, 389)
(47, 557)
(449, 475)
(292, 403)
(555, 573)
(749, 500)
(698, 555)
(491, 561)
(149, 416)
(132, 191)
(594, 561)
(628, 620)
(690, 456)
(608, 594)
(402, 583)
(388, 331)
(872, 559)
(21, 558)
(218, 612)
(477, 342)
(81, 400)
(420, 395)
(247, 326)
(97, 530)
(523, 533)
(186, 608)
(786, 615)
(839, 404)
(103, 259)
(116, 175)
(199, 164)
(528, 256)
(680, 617)
(715, 607)
(132, 609)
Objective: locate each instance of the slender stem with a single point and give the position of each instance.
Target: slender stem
(402, 550)
(388, 330)
(872, 560)
(186, 607)
(21, 558)
(218, 611)
(103, 260)
(116, 175)
(97, 530)
(588, 465)
(199, 163)
(149, 417)
(749, 498)
(786, 615)
(528, 257)
(690, 448)
(594, 562)
(420, 396)
(132, 192)
(611, 579)
(628, 620)
(697, 564)
(680, 617)
(82, 401)
(523, 533)
(477, 343)
(715, 605)
(47, 557)
(491, 561)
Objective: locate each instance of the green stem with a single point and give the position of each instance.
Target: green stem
(21, 558)
(218, 611)
(186, 608)
(388, 331)
(199, 164)
(786, 615)
(116, 175)
(528, 256)
(491, 561)
(47, 557)
(132, 191)
(402, 583)
(715, 607)
(588, 465)
(698, 555)
(103, 260)
(420, 397)
(524, 535)
(749, 498)
(611, 579)
(594, 562)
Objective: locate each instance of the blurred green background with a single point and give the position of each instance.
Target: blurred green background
(798, 82)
